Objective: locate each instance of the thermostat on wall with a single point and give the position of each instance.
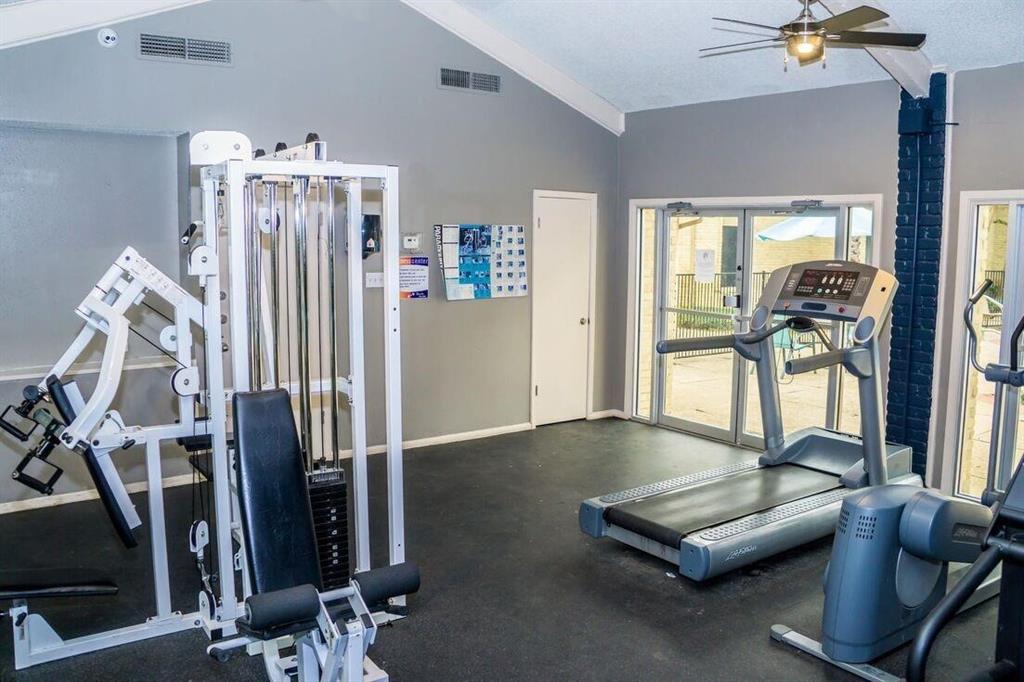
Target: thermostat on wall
(411, 241)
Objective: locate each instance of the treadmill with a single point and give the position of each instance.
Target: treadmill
(714, 521)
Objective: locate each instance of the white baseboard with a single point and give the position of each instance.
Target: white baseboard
(607, 414)
(184, 479)
(451, 438)
(83, 495)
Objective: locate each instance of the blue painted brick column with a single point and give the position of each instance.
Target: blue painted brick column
(922, 158)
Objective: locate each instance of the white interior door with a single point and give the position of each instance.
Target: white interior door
(561, 306)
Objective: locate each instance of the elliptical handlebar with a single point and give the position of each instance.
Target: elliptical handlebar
(972, 333)
(1015, 349)
(945, 610)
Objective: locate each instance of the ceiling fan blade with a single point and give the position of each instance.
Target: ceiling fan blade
(857, 16)
(747, 23)
(749, 42)
(880, 38)
(736, 50)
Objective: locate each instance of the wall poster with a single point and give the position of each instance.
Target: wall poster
(482, 261)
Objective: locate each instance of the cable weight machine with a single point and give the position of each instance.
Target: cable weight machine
(264, 316)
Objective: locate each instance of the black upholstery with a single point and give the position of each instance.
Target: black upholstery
(67, 415)
(54, 583)
(280, 541)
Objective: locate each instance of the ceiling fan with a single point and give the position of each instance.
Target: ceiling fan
(805, 37)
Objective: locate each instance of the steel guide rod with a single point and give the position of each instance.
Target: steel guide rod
(275, 289)
(300, 188)
(319, 319)
(332, 319)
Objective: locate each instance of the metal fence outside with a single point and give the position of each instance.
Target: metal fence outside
(698, 306)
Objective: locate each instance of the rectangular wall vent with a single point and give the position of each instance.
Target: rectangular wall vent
(459, 79)
(179, 49)
(486, 82)
(455, 78)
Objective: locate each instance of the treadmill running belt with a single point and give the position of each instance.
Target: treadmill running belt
(670, 517)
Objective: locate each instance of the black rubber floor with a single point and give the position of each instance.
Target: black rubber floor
(512, 590)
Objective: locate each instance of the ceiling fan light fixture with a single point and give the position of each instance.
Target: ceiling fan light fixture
(805, 47)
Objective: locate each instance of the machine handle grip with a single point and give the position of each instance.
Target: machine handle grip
(980, 291)
(699, 343)
(819, 361)
(32, 482)
(12, 429)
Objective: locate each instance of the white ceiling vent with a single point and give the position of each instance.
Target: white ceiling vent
(458, 79)
(179, 49)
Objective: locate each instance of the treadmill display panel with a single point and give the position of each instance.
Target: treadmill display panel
(835, 285)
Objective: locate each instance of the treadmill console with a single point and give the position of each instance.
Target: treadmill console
(829, 290)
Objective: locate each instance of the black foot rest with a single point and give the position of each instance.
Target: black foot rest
(380, 584)
(283, 612)
(54, 583)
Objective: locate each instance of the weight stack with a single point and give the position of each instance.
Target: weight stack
(328, 495)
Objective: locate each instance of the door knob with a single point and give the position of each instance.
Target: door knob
(583, 320)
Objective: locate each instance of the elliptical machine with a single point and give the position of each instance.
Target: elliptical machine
(890, 564)
(1003, 544)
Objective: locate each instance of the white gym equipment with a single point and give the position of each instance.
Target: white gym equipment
(265, 222)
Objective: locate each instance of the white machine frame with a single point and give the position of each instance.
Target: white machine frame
(226, 158)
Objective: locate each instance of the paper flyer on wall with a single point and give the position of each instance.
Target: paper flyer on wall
(413, 276)
(482, 261)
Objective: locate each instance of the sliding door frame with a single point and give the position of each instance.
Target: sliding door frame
(661, 308)
(962, 275)
(843, 201)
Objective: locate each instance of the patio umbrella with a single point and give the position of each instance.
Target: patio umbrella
(798, 227)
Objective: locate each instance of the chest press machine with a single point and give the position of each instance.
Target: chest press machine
(268, 229)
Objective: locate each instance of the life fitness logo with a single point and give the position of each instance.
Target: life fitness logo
(737, 553)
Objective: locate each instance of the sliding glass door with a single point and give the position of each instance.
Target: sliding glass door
(702, 257)
(778, 239)
(996, 252)
(700, 274)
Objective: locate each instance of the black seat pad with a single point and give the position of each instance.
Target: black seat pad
(280, 540)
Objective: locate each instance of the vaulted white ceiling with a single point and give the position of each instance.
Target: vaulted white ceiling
(642, 54)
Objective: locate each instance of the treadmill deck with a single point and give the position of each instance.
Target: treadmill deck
(670, 517)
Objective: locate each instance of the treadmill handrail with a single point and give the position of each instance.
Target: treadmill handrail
(717, 342)
(697, 343)
(815, 362)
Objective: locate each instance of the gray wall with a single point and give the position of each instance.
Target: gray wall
(829, 141)
(987, 154)
(70, 201)
(363, 75)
